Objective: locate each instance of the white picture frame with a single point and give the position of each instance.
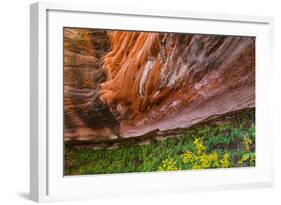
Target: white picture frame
(47, 182)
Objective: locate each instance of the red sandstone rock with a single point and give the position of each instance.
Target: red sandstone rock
(132, 84)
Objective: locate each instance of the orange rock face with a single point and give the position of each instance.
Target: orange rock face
(135, 84)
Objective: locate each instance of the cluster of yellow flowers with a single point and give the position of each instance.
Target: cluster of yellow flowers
(247, 142)
(248, 157)
(187, 156)
(201, 160)
(199, 146)
(169, 165)
(225, 161)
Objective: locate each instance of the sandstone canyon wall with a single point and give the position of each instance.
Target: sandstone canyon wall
(120, 85)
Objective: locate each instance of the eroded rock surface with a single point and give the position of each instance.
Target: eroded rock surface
(120, 85)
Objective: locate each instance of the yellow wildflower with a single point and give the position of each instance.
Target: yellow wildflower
(187, 156)
(247, 142)
(199, 146)
(225, 161)
(168, 165)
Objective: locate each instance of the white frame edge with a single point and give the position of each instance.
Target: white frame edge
(38, 97)
(39, 75)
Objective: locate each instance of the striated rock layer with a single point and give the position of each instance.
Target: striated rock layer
(121, 85)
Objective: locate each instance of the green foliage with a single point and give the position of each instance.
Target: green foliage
(169, 165)
(199, 159)
(207, 146)
(247, 159)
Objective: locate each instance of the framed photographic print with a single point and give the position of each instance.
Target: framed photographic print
(127, 102)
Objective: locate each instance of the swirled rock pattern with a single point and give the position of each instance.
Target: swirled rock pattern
(120, 85)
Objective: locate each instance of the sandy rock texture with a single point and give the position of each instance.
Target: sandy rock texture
(119, 85)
